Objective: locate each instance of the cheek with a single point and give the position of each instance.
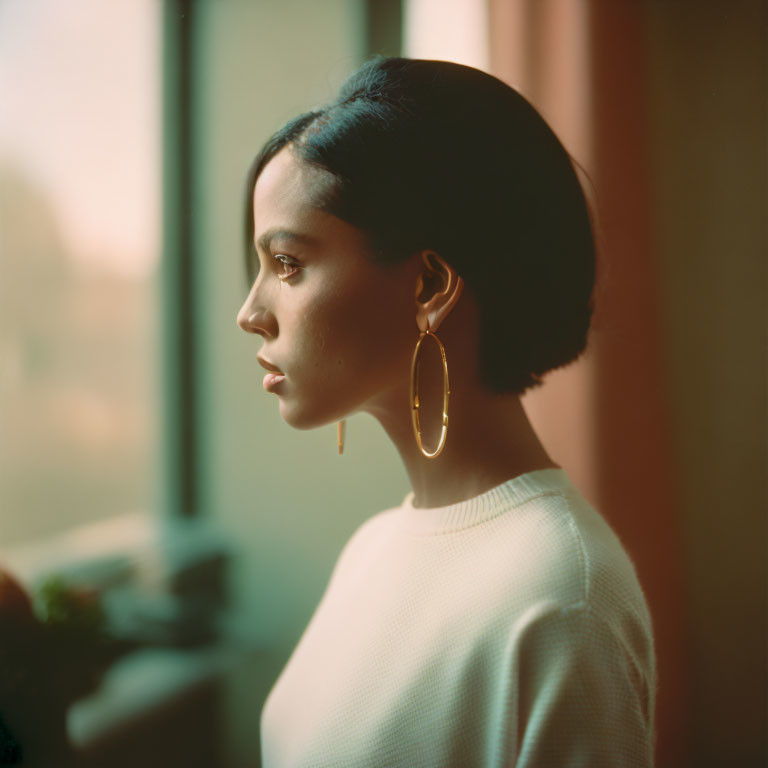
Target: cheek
(334, 338)
(354, 332)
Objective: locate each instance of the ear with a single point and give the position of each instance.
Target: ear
(438, 288)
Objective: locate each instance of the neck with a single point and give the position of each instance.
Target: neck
(489, 439)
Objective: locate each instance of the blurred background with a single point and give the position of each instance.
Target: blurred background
(142, 465)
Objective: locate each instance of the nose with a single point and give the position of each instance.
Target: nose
(249, 325)
(253, 322)
(247, 319)
(253, 318)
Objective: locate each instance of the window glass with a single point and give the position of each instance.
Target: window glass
(80, 198)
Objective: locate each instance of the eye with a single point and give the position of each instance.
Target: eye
(288, 262)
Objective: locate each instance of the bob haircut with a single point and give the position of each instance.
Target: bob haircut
(440, 156)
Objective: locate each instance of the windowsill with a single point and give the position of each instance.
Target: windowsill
(103, 551)
(131, 548)
(143, 682)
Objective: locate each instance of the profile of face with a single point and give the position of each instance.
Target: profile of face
(339, 326)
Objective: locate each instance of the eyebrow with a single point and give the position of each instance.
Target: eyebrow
(282, 234)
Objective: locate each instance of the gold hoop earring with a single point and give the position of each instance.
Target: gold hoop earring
(415, 396)
(340, 429)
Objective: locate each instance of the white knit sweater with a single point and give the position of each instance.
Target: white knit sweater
(505, 630)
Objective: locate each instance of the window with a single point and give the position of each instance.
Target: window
(80, 216)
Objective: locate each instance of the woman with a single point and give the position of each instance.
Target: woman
(428, 222)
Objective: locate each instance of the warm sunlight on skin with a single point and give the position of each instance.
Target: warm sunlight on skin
(343, 329)
(340, 327)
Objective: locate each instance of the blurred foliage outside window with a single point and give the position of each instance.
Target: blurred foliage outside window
(80, 203)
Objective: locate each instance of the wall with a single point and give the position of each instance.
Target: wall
(707, 105)
(664, 103)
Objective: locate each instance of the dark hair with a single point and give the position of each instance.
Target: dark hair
(437, 155)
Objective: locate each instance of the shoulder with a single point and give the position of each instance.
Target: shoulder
(553, 566)
(583, 596)
(571, 555)
(583, 631)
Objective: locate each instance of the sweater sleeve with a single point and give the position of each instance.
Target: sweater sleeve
(583, 694)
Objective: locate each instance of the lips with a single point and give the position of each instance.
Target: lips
(268, 366)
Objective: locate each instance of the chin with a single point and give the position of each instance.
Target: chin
(305, 418)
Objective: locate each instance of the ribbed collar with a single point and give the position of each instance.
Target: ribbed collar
(493, 502)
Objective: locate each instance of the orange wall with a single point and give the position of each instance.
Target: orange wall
(584, 71)
(664, 104)
(638, 488)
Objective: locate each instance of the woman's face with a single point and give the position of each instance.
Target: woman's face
(341, 328)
